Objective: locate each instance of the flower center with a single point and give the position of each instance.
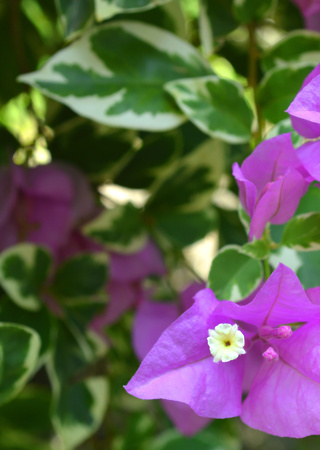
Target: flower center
(226, 342)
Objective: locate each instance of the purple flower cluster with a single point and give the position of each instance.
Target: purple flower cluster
(271, 351)
(48, 205)
(260, 358)
(151, 320)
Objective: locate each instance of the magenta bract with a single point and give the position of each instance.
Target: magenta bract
(151, 319)
(280, 372)
(42, 205)
(125, 287)
(271, 183)
(305, 109)
(310, 10)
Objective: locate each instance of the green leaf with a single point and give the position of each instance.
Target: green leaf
(303, 232)
(215, 105)
(216, 20)
(310, 202)
(157, 153)
(99, 168)
(108, 8)
(17, 415)
(308, 272)
(205, 440)
(75, 15)
(93, 77)
(258, 249)
(121, 228)
(68, 360)
(23, 270)
(184, 229)
(189, 184)
(233, 274)
(298, 46)
(285, 126)
(79, 409)
(19, 350)
(79, 313)
(252, 10)
(305, 264)
(39, 321)
(79, 401)
(244, 218)
(81, 276)
(279, 87)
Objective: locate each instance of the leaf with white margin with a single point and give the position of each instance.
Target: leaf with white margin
(19, 350)
(233, 274)
(215, 105)
(75, 15)
(120, 228)
(23, 270)
(108, 8)
(296, 46)
(78, 410)
(302, 232)
(115, 74)
(188, 185)
(216, 19)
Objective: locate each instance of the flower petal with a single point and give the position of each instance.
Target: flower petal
(136, 266)
(279, 202)
(179, 367)
(309, 155)
(247, 190)
(284, 398)
(184, 418)
(271, 158)
(151, 320)
(305, 109)
(282, 300)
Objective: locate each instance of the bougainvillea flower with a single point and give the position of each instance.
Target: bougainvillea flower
(151, 319)
(309, 155)
(278, 367)
(125, 287)
(128, 267)
(271, 183)
(42, 205)
(310, 10)
(304, 110)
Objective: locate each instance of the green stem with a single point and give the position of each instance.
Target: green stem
(253, 78)
(267, 272)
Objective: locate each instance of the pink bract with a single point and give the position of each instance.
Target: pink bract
(42, 205)
(271, 183)
(283, 393)
(310, 9)
(151, 319)
(304, 110)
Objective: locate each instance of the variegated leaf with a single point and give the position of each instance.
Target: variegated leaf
(79, 409)
(215, 105)
(278, 88)
(23, 270)
(108, 8)
(297, 46)
(233, 274)
(75, 15)
(302, 232)
(19, 350)
(115, 75)
(121, 229)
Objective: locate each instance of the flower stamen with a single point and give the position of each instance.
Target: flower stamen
(226, 342)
